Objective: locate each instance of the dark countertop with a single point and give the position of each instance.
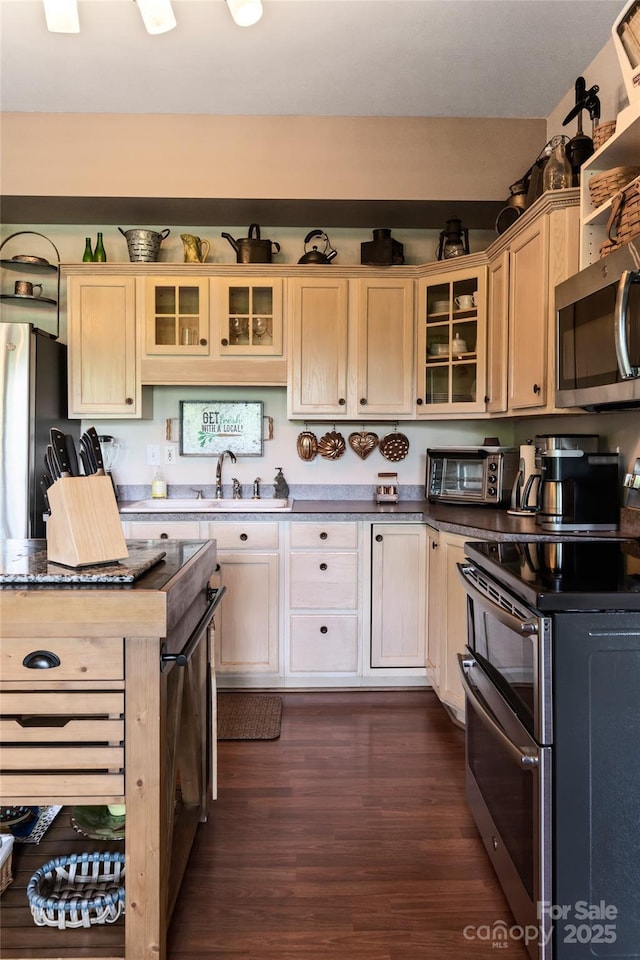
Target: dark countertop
(473, 522)
(150, 565)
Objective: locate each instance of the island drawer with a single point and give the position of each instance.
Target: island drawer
(61, 659)
(70, 742)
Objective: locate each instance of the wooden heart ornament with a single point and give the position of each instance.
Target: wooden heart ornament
(363, 443)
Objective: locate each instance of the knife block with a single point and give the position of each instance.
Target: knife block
(84, 527)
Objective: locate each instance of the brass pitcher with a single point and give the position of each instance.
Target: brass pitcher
(195, 249)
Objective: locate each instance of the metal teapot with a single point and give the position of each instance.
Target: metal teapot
(252, 249)
(314, 255)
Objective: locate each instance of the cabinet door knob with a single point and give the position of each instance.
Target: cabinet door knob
(203, 342)
(324, 629)
(487, 399)
(363, 401)
(536, 388)
(342, 401)
(324, 535)
(164, 536)
(129, 401)
(379, 538)
(419, 401)
(224, 342)
(41, 660)
(244, 536)
(323, 566)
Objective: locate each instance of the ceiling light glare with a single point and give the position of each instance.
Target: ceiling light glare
(245, 12)
(157, 15)
(62, 16)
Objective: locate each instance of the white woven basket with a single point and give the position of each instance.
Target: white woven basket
(78, 891)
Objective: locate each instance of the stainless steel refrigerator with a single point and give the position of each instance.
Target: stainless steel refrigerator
(33, 398)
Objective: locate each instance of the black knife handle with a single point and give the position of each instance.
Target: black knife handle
(72, 455)
(59, 444)
(96, 449)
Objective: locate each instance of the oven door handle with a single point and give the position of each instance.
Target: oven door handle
(522, 627)
(520, 757)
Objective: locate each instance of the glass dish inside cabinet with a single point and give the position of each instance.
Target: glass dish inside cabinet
(251, 321)
(251, 316)
(176, 315)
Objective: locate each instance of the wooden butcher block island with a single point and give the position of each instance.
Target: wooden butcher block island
(105, 699)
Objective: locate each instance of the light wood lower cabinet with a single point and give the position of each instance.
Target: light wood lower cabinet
(398, 595)
(248, 626)
(447, 618)
(323, 599)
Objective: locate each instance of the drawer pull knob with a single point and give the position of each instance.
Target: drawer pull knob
(323, 535)
(41, 660)
(244, 536)
(164, 536)
(323, 566)
(324, 629)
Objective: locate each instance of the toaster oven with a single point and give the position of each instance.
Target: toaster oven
(471, 475)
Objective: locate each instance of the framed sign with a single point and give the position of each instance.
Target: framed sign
(208, 427)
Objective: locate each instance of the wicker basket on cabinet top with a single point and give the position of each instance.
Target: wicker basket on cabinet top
(604, 185)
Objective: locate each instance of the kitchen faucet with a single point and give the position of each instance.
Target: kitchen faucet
(232, 457)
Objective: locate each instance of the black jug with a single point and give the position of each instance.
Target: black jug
(382, 251)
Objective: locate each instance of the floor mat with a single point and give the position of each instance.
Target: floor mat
(246, 716)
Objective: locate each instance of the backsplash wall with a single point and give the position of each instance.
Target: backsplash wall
(617, 431)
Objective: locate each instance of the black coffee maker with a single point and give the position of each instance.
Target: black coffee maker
(579, 487)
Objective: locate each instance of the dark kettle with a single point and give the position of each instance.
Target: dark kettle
(252, 249)
(314, 255)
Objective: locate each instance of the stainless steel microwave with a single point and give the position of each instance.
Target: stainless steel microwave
(598, 334)
(480, 475)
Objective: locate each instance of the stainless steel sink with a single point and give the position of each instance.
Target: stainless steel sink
(175, 505)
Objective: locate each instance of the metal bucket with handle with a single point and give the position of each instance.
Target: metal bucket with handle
(143, 245)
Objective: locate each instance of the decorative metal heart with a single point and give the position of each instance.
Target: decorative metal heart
(363, 443)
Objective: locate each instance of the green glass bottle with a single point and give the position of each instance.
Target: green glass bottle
(87, 256)
(99, 255)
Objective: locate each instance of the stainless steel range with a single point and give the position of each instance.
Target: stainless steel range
(552, 681)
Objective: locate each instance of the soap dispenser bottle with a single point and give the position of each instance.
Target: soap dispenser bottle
(281, 491)
(158, 486)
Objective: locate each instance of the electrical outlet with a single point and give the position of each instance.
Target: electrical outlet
(170, 455)
(153, 454)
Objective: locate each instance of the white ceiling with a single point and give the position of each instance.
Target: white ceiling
(463, 58)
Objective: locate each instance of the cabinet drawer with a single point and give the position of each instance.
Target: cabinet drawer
(244, 536)
(69, 658)
(72, 744)
(327, 644)
(324, 580)
(163, 530)
(324, 534)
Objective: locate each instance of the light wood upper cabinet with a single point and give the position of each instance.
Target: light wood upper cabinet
(538, 252)
(528, 328)
(351, 352)
(103, 363)
(248, 320)
(384, 367)
(176, 321)
(497, 333)
(450, 354)
(318, 324)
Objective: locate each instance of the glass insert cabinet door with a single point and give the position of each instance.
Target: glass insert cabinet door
(250, 317)
(177, 316)
(451, 338)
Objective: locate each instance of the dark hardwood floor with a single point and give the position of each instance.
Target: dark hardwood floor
(346, 839)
